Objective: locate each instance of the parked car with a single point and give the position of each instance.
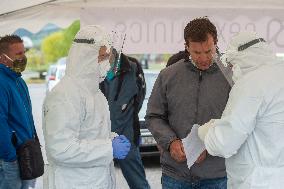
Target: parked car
(55, 73)
(148, 145)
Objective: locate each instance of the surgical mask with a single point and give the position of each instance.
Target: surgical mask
(19, 65)
(110, 74)
(114, 70)
(104, 67)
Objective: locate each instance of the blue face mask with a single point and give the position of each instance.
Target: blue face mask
(110, 75)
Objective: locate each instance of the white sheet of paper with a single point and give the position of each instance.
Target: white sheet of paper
(193, 146)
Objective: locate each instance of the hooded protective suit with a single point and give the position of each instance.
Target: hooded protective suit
(76, 119)
(250, 133)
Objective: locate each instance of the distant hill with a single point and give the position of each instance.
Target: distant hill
(23, 32)
(37, 37)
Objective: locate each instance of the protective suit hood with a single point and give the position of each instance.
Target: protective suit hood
(82, 61)
(247, 52)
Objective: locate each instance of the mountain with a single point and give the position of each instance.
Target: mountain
(39, 36)
(23, 32)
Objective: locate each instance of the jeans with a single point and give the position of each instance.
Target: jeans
(171, 183)
(10, 177)
(133, 169)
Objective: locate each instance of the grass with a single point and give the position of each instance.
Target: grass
(35, 81)
(156, 66)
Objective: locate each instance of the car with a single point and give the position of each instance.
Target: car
(148, 145)
(55, 73)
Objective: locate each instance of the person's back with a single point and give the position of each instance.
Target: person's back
(264, 164)
(84, 157)
(76, 123)
(250, 132)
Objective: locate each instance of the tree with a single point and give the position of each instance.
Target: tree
(57, 45)
(35, 62)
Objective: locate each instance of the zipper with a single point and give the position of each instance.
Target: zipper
(198, 92)
(200, 76)
(29, 113)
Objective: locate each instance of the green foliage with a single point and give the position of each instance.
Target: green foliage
(35, 62)
(52, 47)
(57, 45)
(166, 57)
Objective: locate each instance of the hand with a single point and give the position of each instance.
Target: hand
(202, 157)
(121, 147)
(177, 151)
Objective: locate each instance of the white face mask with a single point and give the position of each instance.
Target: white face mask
(104, 67)
(237, 72)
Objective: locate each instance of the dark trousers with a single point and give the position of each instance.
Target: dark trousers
(133, 169)
(171, 183)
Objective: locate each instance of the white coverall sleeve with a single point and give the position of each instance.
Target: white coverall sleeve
(238, 121)
(63, 144)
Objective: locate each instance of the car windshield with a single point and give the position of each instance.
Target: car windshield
(62, 61)
(150, 78)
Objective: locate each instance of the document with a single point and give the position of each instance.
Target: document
(193, 146)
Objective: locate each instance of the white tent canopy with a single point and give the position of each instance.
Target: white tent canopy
(152, 26)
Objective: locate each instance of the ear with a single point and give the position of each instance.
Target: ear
(2, 57)
(187, 48)
(4, 60)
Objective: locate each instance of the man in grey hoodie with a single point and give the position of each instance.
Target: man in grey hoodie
(190, 92)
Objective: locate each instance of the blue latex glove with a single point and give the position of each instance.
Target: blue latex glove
(120, 146)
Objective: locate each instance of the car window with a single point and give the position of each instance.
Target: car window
(150, 79)
(53, 71)
(62, 61)
(61, 73)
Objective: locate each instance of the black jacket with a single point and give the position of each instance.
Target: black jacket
(125, 95)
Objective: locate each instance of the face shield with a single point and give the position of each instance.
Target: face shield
(117, 44)
(233, 72)
(226, 69)
(110, 65)
(93, 48)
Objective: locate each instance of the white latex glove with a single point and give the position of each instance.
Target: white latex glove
(203, 130)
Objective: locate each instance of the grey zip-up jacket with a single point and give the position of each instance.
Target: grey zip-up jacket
(182, 96)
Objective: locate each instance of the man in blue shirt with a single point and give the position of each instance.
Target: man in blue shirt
(16, 120)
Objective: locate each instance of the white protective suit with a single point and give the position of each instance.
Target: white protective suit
(76, 120)
(250, 133)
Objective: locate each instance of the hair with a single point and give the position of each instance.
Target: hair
(197, 30)
(8, 40)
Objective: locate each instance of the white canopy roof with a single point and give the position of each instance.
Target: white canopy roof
(154, 26)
